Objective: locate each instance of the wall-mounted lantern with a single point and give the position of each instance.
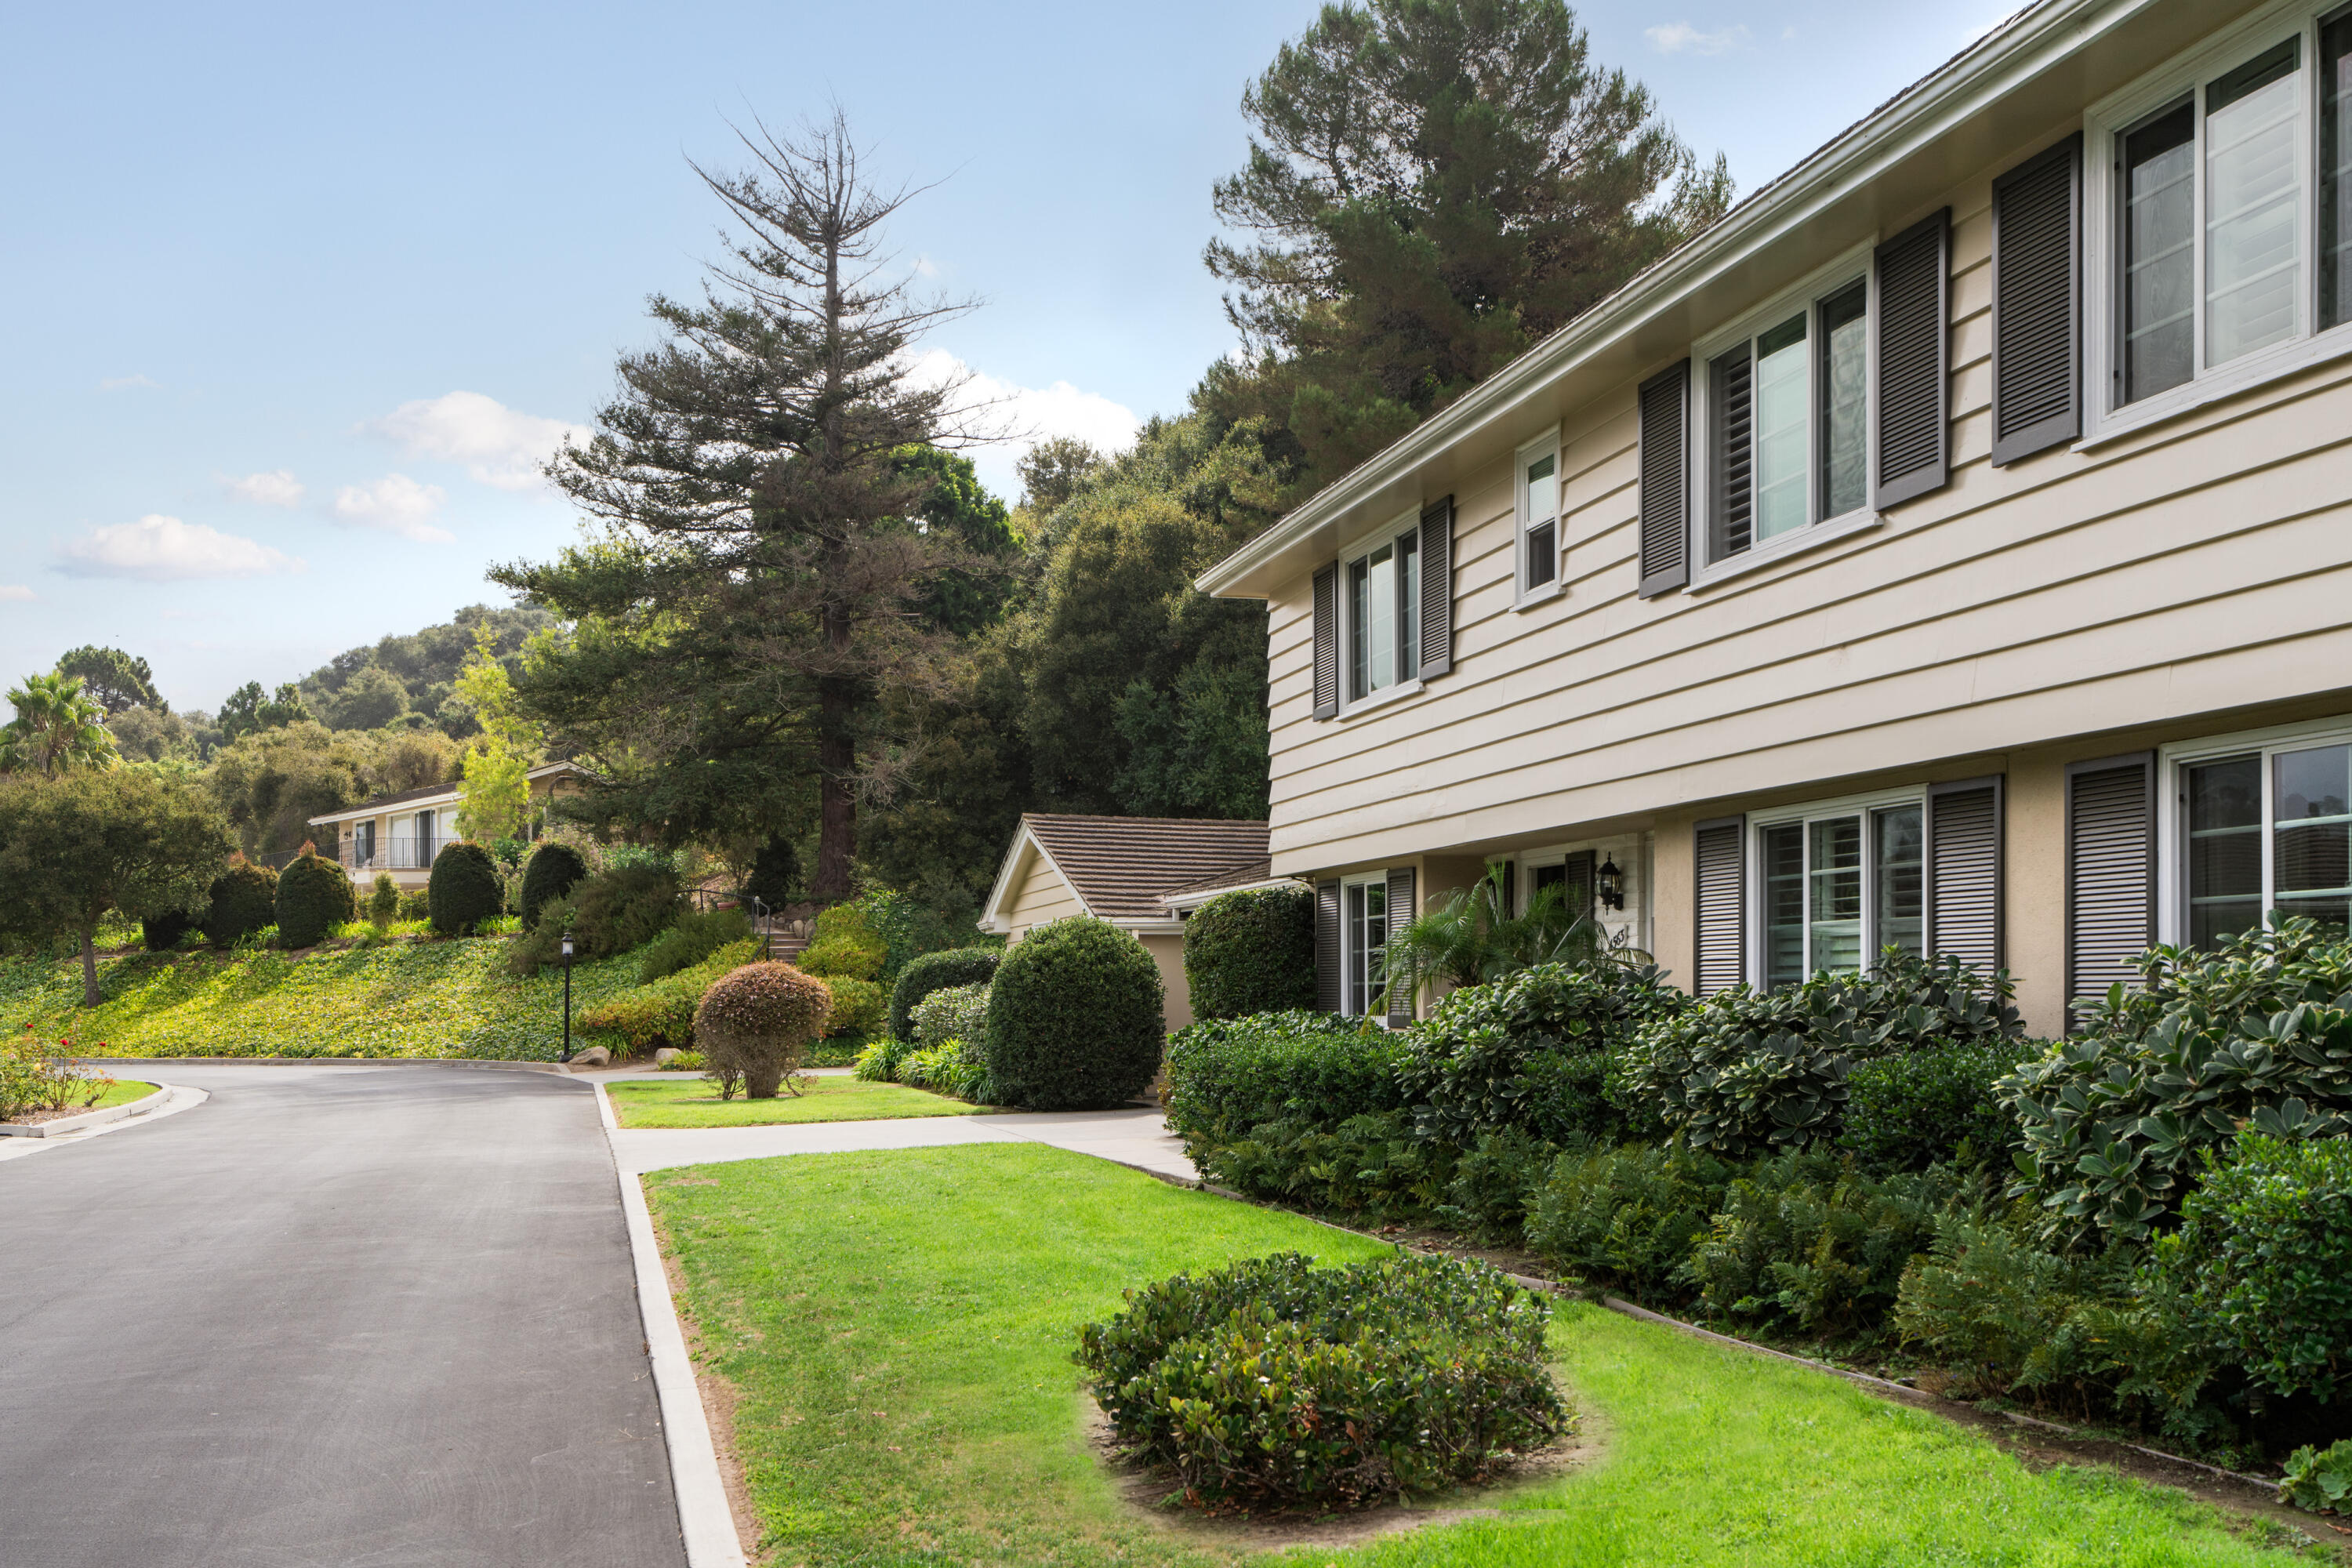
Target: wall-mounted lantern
(1612, 884)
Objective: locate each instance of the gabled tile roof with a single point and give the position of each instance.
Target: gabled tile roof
(1260, 869)
(1119, 866)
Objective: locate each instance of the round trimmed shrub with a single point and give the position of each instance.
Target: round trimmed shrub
(936, 972)
(465, 888)
(551, 873)
(244, 899)
(1251, 951)
(161, 933)
(758, 1021)
(314, 897)
(1074, 1017)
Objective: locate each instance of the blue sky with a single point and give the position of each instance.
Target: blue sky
(299, 294)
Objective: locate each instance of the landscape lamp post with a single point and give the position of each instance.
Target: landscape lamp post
(567, 997)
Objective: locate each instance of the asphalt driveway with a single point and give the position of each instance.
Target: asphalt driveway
(349, 1315)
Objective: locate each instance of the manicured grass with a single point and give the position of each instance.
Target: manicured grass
(898, 1327)
(404, 999)
(123, 1091)
(696, 1103)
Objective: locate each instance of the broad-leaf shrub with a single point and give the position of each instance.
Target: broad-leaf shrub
(1528, 1052)
(554, 869)
(694, 938)
(1251, 951)
(1749, 1070)
(1629, 1215)
(957, 1013)
(2264, 1259)
(617, 911)
(2320, 1480)
(2256, 1033)
(1226, 1076)
(1074, 1017)
(1494, 1181)
(1935, 1105)
(758, 1021)
(1372, 1162)
(163, 932)
(650, 1017)
(1804, 1242)
(1272, 1382)
(844, 944)
(859, 1008)
(244, 899)
(314, 897)
(931, 972)
(464, 890)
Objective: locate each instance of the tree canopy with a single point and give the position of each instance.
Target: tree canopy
(57, 727)
(113, 678)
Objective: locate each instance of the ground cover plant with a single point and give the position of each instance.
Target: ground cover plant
(905, 1396)
(698, 1104)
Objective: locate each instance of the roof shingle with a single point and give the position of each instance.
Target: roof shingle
(1119, 866)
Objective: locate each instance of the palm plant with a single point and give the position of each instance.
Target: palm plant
(57, 725)
(1472, 937)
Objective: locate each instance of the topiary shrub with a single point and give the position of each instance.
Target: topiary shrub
(314, 897)
(844, 943)
(1251, 951)
(553, 871)
(1074, 1017)
(1273, 1383)
(1227, 1077)
(384, 900)
(931, 971)
(161, 933)
(464, 890)
(2264, 1258)
(694, 937)
(244, 899)
(758, 1021)
(1938, 1104)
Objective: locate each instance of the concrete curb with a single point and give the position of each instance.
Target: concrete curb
(704, 1518)
(325, 1062)
(178, 1098)
(99, 1118)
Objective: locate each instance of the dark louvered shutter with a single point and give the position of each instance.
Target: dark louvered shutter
(1734, 465)
(1720, 891)
(2110, 872)
(1327, 643)
(2037, 303)
(1578, 878)
(1326, 945)
(1437, 589)
(1964, 871)
(1399, 911)
(1665, 480)
(1510, 887)
(1914, 427)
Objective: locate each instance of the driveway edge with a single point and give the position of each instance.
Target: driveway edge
(177, 1098)
(704, 1520)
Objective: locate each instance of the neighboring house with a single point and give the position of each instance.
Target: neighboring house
(1950, 549)
(1142, 874)
(402, 832)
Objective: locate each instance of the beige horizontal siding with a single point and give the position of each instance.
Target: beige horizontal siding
(1042, 896)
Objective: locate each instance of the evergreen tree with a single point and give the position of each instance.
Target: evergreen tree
(115, 679)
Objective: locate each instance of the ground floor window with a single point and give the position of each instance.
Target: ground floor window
(2260, 828)
(1836, 886)
(1364, 942)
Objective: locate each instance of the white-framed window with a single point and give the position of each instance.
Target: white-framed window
(1834, 885)
(1539, 519)
(1379, 602)
(2256, 823)
(1782, 404)
(1363, 941)
(2219, 242)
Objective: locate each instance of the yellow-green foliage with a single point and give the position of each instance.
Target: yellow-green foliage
(847, 947)
(648, 1017)
(859, 1006)
(399, 999)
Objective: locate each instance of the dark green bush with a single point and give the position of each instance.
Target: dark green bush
(1530, 1051)
(2264, 1258)
(695, 937)
(1934, 1105)
(1628, 1216)
(1250, 952)
(624, 908)
(1074, 1017)
(1749, 1070)
(384, 900)
(1494, 1181)
(2255, 1033)
(244, 899)
(1274, 1382)
(314, 896)
(554, 870)
(464, 890)
(161, 933)
(1369, 1163)
(1804, 1242)
(1317, 1069)
(930, 971)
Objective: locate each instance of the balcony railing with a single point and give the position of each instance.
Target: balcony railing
(392, 852)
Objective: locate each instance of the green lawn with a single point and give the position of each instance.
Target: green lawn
(123, 1091)
(696, 1103)
(898, 1327)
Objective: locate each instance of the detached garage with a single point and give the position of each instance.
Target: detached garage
(1142, 874)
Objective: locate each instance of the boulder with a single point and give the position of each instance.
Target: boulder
(591, 1056)
(667, 1055)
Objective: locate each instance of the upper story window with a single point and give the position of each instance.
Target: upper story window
(1786, 416)
(2224, 259)
(1383, 598)
(1538, 533)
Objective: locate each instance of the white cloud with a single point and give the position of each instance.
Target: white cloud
(397, 504)
(14, 593)
(1025, 415)
(122, 382)
(159, 549)
(1676, 38)
(498, 444)
(276, 488)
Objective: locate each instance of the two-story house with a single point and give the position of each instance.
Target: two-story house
(1950, 550)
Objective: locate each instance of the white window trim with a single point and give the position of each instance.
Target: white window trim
(1364, 543)
(2104, 417)
(1752, 875)
(1349, 961)
(1699, 456)
(2172, 819)
(1524, 597)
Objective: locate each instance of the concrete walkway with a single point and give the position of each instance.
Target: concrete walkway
(1138, 1137)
